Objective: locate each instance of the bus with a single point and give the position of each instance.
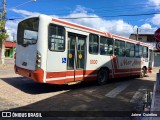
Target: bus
(51, 50)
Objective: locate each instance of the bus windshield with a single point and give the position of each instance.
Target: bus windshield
(28, 31)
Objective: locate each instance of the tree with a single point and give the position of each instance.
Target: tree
(3, 37)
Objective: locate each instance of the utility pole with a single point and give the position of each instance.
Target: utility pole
(13, 47)
(4, 10)
(137, 34)
(2, 55)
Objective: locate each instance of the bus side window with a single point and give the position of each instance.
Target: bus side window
(130, 50)
(110, 46)
(145, 52)
(56, 40)
(93, 44)
(140, 51)
(119, 48)
(106, 46)
(137, 51)
(103, 45)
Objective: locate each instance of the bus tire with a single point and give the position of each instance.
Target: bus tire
(143, 72)
(102, 77)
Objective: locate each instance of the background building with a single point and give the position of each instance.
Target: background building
(149, 38)
(10, 48)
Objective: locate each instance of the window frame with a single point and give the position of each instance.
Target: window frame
(146, 51)
(107, 38)
(93, 44)
(130, 49)
(119, 47)
(49, 40)
(137, 51)
(21, 30)
(141, 51)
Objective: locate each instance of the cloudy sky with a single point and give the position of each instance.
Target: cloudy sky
(121, 17)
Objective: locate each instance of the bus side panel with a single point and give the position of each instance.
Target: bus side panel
(136, 66)
(56, 65)
(94, 63)
(129, 66)
(52, 62)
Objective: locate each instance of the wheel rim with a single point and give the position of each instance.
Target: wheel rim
(102, 77)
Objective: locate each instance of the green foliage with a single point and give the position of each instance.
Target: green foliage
(3, 34)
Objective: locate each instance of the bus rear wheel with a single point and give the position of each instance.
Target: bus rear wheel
(102, 77)
(143, 73)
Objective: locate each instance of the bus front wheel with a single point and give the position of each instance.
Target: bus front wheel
(102, 77)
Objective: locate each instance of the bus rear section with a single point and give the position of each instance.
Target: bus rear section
(27, 57)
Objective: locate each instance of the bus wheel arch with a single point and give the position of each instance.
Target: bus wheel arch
(103, 76)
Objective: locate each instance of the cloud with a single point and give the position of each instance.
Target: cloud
(25, 13)
(156, 3)
(156, 20)
(11, 25)
(146, 29)
(146, 26)
(117, 26)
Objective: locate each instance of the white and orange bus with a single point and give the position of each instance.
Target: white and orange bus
(50, 50)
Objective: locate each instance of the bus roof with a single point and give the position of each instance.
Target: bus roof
(91, 30)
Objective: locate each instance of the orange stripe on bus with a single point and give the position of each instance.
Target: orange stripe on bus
(127, 70)
(69, 73)
(126, 74)
(78, 26)
(55, 74)
(79, 72)
(122, 70)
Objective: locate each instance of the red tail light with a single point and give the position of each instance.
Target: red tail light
(38, 60)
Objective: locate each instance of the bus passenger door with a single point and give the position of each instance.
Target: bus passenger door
(75, 57)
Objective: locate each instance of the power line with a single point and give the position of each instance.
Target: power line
(142, 14)
(115, 8)
(127, 15)
(101, 10)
